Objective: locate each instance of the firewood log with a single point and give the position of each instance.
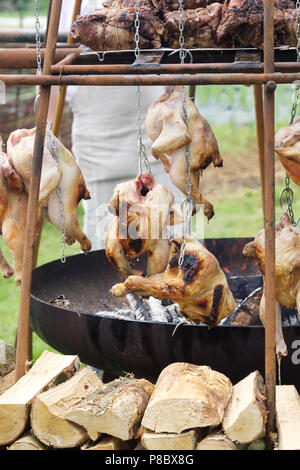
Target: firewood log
(216, 441)
(169, 441)
(288, 417)
(27, 442)
(7, 358)
(245, 417)
(7, 381)
(108, 443)
(14, 403)
(49, 408)
(116, 410)
(187, 396)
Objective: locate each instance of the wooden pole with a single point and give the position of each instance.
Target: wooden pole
(260, 129)
(63, 89)
(32, 209)
(269, 221)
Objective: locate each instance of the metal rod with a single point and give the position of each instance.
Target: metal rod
(33, 197)
(21, 58)
(25, 36)
(125, 69)
(259, 113)
(269, 223)
(150, 80)
(63, 89)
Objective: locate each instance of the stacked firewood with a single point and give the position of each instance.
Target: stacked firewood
(59, 404)
(206, 24)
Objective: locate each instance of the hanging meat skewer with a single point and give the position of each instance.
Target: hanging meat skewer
(142, 212)
(166, 128)
(199, 286)
(287, 147)
(287, 240)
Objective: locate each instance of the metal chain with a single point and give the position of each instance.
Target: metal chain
(188, 203)
(142, 153)
(49, 128)
(287, 192)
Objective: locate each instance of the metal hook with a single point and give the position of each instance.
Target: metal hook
(185, 51)
(101, 56)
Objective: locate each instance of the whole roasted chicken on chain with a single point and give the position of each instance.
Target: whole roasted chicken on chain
(198, 286)
(142, 212)
(166, 128)
(15, 171)
(287, 272)
(287, 147)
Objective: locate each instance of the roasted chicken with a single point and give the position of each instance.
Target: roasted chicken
(13, 207)
(67, 174)
(142, 212)
(200, 27)
(114, 29)
(166, 128)
(287, 147)
(287, 242)
(199, 286)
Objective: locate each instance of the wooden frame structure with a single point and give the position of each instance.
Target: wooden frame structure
(59, 69)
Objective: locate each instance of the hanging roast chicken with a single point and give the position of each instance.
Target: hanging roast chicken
(142, 211)
(287, 274)
(287, 147)
(166, 128)
(13, 207)
(67, 174)
(199, 286)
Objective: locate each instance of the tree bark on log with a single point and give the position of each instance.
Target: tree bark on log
(187, 396)
(49, 408)
(245, 417)
(288, 417)
(7, 358)
(7, 381)
(116, 410)
(14, 403)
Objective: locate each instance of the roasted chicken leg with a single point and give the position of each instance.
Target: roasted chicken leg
(166, 128)
(287, 271)
(142, 211)
(199, 286)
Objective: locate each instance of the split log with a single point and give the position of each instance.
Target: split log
(108, 443)
(216, 441)
(162, 441)
(7, 358)
(288, 417)
(49, 408)
(7, 381)
(245, 417)
(187, 396)
(14, 403)
(27, 442)
(116, 410)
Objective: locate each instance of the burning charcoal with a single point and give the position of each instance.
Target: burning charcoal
(139, 306)
(157, 310)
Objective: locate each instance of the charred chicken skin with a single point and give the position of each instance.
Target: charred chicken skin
(67, 174)
(142, 211)
(287, 147)
(199, 286)
(287, 242)
(114, 29)
(166, 128)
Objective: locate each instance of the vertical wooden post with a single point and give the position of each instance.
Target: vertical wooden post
(32, 209)
(260, 129)
(269, 220)
(63, 89)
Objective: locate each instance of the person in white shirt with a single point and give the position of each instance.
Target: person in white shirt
(104, 138)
